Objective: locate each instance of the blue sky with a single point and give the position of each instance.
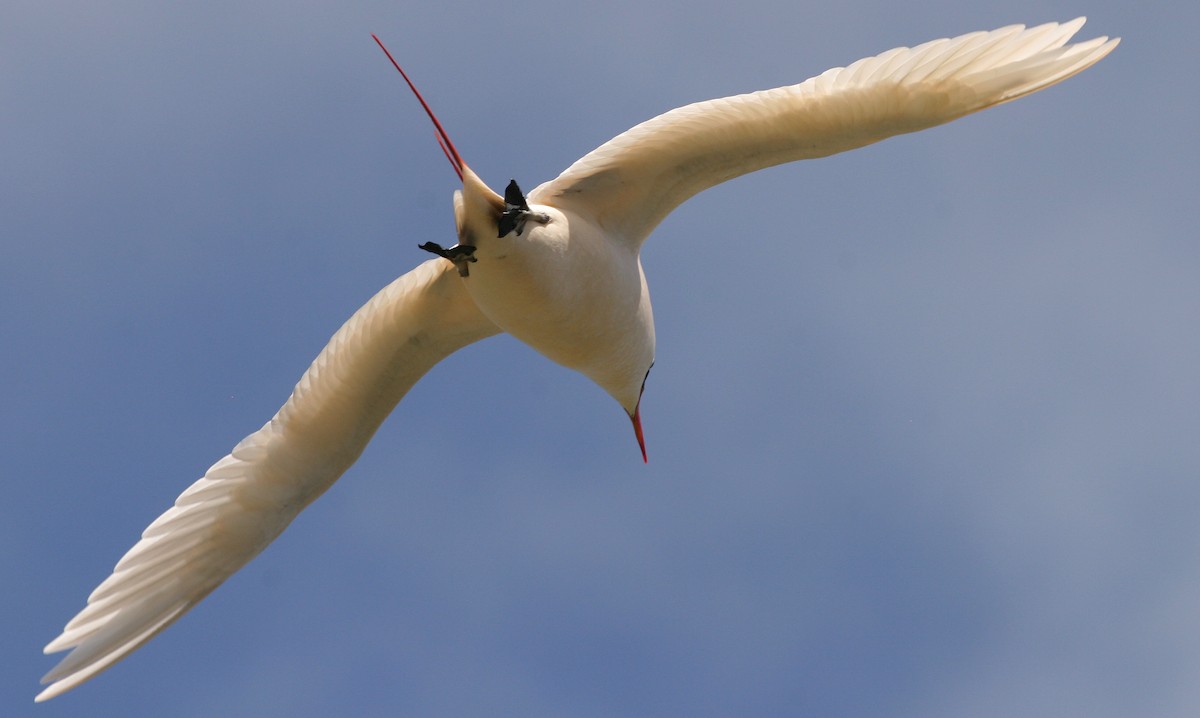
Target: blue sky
(922, 428)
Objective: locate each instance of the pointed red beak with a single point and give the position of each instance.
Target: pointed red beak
(636, 418)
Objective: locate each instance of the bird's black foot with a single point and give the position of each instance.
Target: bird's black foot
(516, 211)
(459, 254)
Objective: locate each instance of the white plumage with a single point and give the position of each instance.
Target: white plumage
(570, 285)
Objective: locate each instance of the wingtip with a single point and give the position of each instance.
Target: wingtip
(1103, 41)
(48, 693)
(55, 687)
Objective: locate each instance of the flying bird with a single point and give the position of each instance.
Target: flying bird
(559, 269)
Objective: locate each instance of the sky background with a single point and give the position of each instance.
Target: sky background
(923, 427)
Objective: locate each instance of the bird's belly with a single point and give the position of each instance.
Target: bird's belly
(573, 303)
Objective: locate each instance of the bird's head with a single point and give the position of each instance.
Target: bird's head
(623, 369)
(632, 404)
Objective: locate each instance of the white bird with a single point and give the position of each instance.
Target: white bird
(561, 272)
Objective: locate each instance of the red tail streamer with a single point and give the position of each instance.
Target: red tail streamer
(443, 138)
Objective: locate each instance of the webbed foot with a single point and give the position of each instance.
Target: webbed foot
(459, 254)
(516, 211)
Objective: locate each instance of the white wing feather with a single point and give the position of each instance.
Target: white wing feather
(247, 498)
(630, 183)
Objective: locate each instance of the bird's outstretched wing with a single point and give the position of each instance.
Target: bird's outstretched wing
(247, 498)
(630, 183)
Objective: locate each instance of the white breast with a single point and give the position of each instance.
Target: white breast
(570, 292)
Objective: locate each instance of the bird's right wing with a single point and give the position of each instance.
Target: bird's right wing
(247, 498)
(630, 183)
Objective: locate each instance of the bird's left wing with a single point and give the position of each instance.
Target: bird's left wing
(630, 183)
(247, 498)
